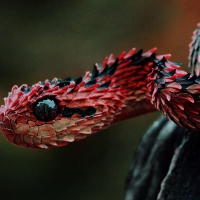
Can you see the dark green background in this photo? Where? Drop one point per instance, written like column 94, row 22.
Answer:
column 46, row 39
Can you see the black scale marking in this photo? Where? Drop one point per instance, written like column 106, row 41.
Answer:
column 68, row 112
column 25, row 90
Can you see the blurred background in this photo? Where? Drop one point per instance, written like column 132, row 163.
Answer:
column 46, row 39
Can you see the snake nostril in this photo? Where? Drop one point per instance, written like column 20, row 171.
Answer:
column 46, row 109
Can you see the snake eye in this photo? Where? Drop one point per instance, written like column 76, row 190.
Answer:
column 46, row 109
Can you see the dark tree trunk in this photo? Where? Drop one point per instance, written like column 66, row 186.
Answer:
column 166, row 165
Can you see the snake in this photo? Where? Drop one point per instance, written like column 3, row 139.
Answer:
column 56, row 112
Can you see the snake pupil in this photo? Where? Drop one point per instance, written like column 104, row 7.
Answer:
column 46, row 110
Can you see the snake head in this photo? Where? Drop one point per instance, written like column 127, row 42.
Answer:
column 29, row 115
column 55, row 112
column 52, row 113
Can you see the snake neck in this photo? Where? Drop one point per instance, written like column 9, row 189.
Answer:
column 176, row 94
column 137, row 76
column 129, row 73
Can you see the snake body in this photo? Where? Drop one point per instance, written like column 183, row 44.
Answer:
column 55, row 112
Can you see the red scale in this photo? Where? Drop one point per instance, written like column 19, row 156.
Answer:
column 53, row 113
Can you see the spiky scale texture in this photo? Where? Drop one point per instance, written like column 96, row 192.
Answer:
column 176, row 94
column 115, row 90
column 128, row 86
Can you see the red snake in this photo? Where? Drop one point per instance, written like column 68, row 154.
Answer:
column 55, row 112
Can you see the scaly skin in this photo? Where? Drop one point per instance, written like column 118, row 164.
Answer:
column 53, row 113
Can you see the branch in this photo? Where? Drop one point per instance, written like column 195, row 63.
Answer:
column 166, row 164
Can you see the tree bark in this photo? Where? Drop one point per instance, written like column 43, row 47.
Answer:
column 166, row 165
